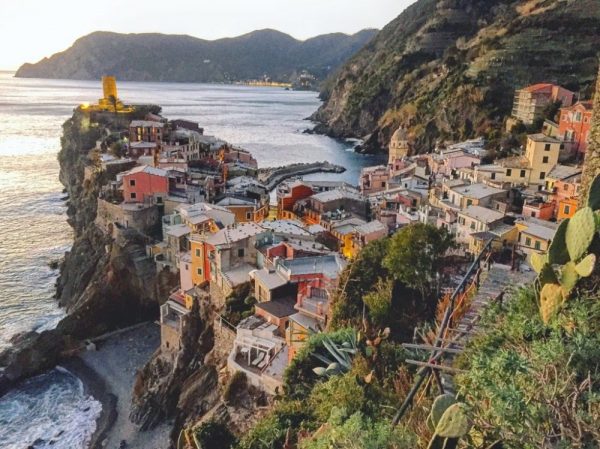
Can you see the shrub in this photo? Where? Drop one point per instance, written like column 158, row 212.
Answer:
column 213, row 435
column 338, row 391
column 235, row 387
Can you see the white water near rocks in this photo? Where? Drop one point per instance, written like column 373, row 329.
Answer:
column 33, row 229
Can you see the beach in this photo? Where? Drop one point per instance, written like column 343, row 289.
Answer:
column 108, row 374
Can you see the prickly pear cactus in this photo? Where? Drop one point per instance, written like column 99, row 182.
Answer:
column 586, row 266
column 538, row 261
column 440, row 404
column 594, row 194
column 454, row 423
column 580, row 232
column 557, row 252
column 568, row 278
column 547, row 276
column 551, row 300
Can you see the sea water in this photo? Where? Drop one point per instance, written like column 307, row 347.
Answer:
column 53, row 410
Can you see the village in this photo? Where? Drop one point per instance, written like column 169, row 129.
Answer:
column 269, row 269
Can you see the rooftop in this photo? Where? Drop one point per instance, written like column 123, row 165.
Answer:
column 146, row 169
column 146, row 124
column 542, row 138
column 178, row 230
column 289, row 227
column 477, row 191
column 482, row 214
column 270, row 279
column 337, row 194
column 279, row 308
column 328, row 265
column 370, row 227
column 234, row 234
column 563, row 172
column 538, row 228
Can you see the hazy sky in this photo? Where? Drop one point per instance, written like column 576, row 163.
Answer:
column 32, row 29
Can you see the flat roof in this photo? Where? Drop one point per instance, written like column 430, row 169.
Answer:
column 331, row 265
column 539, row 228
column 482, row 214
column 271, row 280
column 305, row 321
column 372, row 226
column 146, row 124
column 146, row 169
column 337, row 194
column 279, row 308
column 234, row 233
column 178, row 230
column 291, row 227
column 477, row 191
column 539, row 137
column 563, row 172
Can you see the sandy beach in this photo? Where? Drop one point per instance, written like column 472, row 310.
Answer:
column 108, row 374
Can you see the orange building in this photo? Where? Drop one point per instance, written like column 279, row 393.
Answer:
column 288, row 194
column 574, row 125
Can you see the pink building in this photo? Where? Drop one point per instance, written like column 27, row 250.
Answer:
column 447, row 161
column 144, row 183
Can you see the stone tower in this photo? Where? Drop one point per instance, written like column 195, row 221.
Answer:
column 399, row 146
column 109, row 87
column 591, row 165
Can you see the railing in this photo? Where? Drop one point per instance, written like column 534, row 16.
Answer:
column 428, row 368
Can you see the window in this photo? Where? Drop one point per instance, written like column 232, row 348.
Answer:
column 248, row 215
column 133, row 195
column 545, row 160
column 508, row 172
column 527, row 241
column 383, row 184
column 493, row 176
column 472, row 225
column 523, row 173
column 199, row 271
column 578, row 116
column 543, row 175
column 567, row 209
column 159, row 200
column 469, row 202
column 533, row 214
column 547, row 147
column 537, row 245
column 187, row 267
column 240, row 252
column 132, row 183
column 197, row 252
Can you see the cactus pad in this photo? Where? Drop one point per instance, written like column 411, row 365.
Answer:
column 440, row 404
column 580, row 232
column 568, row 278
column 594, row 194
column 538, row 261
column 547, row 276
column 557, row 252
column 551, row 300
column 454, row 423
column 586, row 266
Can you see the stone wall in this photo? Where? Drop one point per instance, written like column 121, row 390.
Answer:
column 224, row 338
column 143, row 219
column 591, row 166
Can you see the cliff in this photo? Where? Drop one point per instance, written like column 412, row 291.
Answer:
column 104, row 284
column 447, row 69
column 160, row 57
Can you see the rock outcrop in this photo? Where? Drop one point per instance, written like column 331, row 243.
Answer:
column 104, row 284
column 591, row 168
column 447, row 70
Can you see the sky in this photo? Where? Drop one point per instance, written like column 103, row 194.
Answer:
column 33, row 29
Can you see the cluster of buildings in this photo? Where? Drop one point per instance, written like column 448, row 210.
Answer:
column 212, row 224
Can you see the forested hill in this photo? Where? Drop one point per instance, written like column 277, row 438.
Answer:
column 447, row 69
column 161, row 57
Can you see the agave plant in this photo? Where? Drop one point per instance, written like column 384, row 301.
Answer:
column 339, row 357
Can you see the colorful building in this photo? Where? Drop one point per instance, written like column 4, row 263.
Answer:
column 575, row 124
column 529, row 103
column 145, row 184
column 146, row 131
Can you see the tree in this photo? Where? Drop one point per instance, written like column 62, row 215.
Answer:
column 415, row 255
column 379, row 302
column 114, row 102
column 116, row 149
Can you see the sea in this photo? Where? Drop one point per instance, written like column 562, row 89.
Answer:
column 52, row 410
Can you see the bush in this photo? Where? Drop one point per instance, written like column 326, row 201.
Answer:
column 338, row 391
column 532, row 385
column 358, row 431
column 213, row 435
column 235, row 387
column 270, row 432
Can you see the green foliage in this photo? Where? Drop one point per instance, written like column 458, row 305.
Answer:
column 358, row 278
column 528, row 383
column 379, row 302
column 415, row 256
column 338, row 391
column 580, row 232
column 558, row 253
column 270, row 432
column 235, row 387
column 213, row 435
column 337, row 357
column 358, row 431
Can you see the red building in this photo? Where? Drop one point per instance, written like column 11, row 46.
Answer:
column 144, row 183
column 574, row 125
column 288, row 194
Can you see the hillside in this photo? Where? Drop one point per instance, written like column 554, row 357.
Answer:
column 447, row 69
column 160, row 57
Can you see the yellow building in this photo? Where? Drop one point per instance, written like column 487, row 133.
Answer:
column 535, row 235
column 399, row 146
column 200, row 273
column 542, row 153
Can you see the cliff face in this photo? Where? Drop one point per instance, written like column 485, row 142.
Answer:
column 161, row 57
column 447, row 69
column 103, row 284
